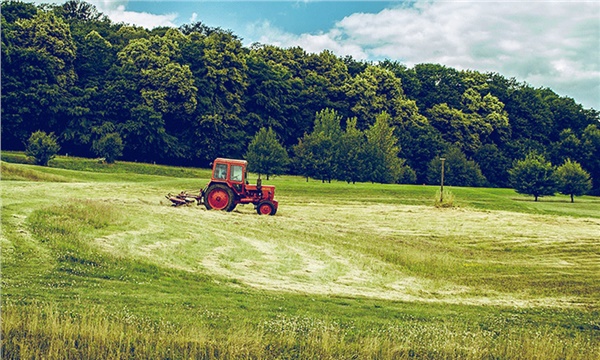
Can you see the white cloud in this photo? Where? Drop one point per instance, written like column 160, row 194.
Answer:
column 144, row 19
column 263, row 32
column 116, row 11
column 550, row 44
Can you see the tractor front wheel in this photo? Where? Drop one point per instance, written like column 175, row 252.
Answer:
column 266, row 208
column 219, row 197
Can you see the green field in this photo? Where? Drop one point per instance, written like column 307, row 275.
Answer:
column 96, row 264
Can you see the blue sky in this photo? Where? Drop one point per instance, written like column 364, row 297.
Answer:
column 293, row 17
column 545, row 43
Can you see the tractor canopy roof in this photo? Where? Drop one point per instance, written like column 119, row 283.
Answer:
column 231, row 161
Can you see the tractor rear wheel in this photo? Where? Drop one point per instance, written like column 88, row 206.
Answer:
column 219, row 197
column 266, row 208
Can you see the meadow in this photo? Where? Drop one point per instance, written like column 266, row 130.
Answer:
column 97, row 264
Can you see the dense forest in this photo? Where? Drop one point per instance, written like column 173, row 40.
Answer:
column 185, row 96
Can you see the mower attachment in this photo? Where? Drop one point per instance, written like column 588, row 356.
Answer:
column 183, row 198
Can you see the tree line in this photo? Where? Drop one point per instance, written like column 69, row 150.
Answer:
column 185, row 96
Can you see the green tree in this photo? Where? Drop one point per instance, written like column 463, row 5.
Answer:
column 268, row 100
column 150, row 72
column 79, row 10
column 372, row 92
column 314, row 156
column 95, row 56
column 438, row 85
column 572, row 179
column 302, row 161
column 407, row 175
column 487, row 116
column 109, row 146
column 590, row 140
column 387, row 166
column 408, row 77
column 530, row 116
column 42, row 147
column 533, row 176
column 494, row 165
column 218, row 65
column 568, row 147
column 352, row 156
column 37, row 74
column 459, row 171
column 317, row 151
column 457, row 128
column 266, row 155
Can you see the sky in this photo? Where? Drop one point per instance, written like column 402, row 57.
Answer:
column 545, row 43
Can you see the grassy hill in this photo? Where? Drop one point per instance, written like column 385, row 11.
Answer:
column 96, row 264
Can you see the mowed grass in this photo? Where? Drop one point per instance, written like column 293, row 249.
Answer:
column 96, row 264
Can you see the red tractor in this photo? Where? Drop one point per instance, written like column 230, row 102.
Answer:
column 228, row 187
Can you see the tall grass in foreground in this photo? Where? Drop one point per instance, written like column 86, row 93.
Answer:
column 43, row 331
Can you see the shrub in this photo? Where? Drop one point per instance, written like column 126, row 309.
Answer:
column 42, row 147
column 110, row 147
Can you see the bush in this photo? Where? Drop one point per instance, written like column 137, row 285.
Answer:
column 459, row 171
column 407, row 175
column 110, row 147
column 42, row 147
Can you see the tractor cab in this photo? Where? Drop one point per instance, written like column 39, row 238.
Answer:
column 232, row 172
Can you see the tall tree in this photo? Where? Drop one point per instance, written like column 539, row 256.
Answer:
column 269, row 100
column 217, row 62
column 37, row 73
column 387, row 166
column 494, row 165
column 317, row 151
column 530, row 116
column 353, row 163
column 79, row 10
column 487, row 116
column 457, row 128
column 163, row 84
column 439, row 84
column 590, row 140
column 372, row 92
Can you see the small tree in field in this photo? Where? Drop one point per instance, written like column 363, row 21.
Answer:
column 383, row 144
column 42, row 147
column 533, row 176
column 573, row 180
column 109, row 146
column 266, row 155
